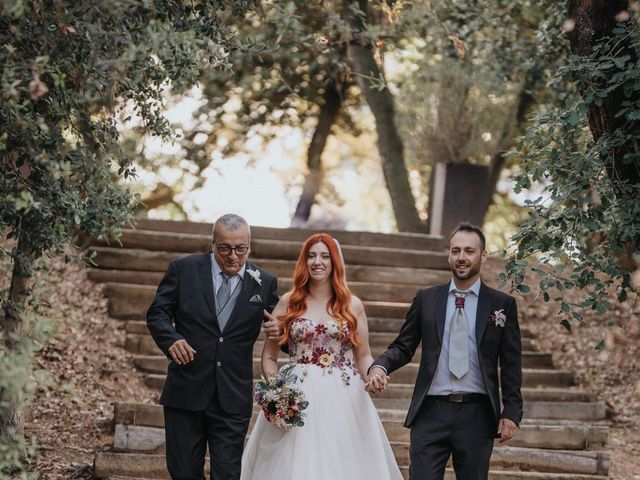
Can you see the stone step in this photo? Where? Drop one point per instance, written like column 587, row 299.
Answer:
column 157, row 363
column 150, row 261
column 531, row 377
column 541, row 460
column 380, row 292
column 144, row 439
column 108, row 464
column 150, row 415
column 396, row 240
column 286, row 249
column 130, row 302
column 144, row 345
column 385, row 331
column 450, row 475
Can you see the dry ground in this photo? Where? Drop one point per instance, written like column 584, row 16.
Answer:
column 71, row 417
column 88, row 371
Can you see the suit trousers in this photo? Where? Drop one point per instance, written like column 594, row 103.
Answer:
column 189, row 432
column 442, row 429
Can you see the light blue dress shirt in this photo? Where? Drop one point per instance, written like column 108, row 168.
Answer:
column 217, row 278
column 444, row 382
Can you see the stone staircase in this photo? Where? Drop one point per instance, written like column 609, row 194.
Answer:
column 563, row 434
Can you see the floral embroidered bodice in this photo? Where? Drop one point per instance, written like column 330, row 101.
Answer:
column 326, row 345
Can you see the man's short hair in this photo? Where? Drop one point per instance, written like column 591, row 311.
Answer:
column 231, row 221
column 468, row 227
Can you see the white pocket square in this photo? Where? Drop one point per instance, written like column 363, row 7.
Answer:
column 255, row 299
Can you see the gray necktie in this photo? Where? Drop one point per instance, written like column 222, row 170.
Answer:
column 224, row 292
column 459, row 338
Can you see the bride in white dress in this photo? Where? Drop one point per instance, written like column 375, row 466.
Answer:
column 325, row 328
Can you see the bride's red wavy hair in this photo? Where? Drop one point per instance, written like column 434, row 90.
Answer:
column 339, row 304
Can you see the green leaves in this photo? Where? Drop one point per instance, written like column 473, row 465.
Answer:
column 589, row 217
column 65, row 74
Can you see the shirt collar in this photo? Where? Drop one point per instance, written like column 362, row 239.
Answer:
column 475, row 288
column 217, row 269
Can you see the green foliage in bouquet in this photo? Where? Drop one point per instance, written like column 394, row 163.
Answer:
column 281, row 400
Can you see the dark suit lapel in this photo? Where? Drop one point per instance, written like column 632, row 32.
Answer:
column 441, row 309
column 485, row 300
column 205, row 273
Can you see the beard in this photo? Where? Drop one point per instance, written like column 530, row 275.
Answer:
column 474, row 269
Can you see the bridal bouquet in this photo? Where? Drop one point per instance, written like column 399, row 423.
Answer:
column 282, row 402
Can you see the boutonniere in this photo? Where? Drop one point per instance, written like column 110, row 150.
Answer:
column 255, row 274
column 498, row 318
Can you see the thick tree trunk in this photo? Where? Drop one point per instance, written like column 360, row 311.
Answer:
column 332, row 99
column 390, row 146
column 12, row 324
column 594, row 20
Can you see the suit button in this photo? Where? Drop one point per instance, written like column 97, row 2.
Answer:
column 218, row 364
column 221, row 339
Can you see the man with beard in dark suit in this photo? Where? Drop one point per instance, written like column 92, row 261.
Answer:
column 206, row 317
column 466, row 330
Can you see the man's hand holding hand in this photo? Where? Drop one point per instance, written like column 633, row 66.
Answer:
column 181, row 352
column 378, row 380
column 507, row 429
column 272, row 327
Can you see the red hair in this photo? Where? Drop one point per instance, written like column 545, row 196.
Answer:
column 340, row 301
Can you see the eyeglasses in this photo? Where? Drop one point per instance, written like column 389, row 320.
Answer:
column 227, row 249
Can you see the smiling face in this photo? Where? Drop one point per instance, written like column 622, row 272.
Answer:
column 319, row 262
column 231, row 262
column 466, row 257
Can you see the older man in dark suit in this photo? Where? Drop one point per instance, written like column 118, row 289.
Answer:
column 466, row 330
column 206, row 317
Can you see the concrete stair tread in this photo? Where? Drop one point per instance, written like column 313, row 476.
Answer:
column 150, row 439
column 286, row 249
column 111, row 258
column 532, row 377
column 556, row 461
column 378, row 291
column 420, row 240
column 530, row 360
column 130, row 301
column 147, row 414
column 140, row 327
column 493, row 475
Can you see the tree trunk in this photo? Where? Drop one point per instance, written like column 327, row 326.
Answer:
column 313, row 180
column 594, row 20
column 390, row 146
column 12, row 324
column 512, row 124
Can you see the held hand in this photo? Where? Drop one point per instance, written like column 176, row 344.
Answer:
column 181, row 352
column 378, row 380
column 272, row 327
column 506, row 429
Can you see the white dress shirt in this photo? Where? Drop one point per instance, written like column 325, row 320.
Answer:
column 444, row 382
column 217, row 278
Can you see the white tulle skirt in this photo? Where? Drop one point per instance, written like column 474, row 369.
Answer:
column 342, row 439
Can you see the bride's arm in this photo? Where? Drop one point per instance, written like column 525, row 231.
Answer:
column 271, row 348
column 364, row 359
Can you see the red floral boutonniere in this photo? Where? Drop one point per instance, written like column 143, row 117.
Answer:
column 498, row 318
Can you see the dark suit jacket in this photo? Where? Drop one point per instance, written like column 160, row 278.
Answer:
column 223, row 361
column 425, row 323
